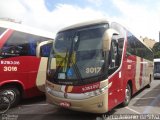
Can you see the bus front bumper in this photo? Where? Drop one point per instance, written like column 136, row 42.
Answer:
column 95, row 104
column 156, row 75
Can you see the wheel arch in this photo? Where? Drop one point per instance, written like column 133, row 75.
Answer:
column 131, row 85
column 14, row 83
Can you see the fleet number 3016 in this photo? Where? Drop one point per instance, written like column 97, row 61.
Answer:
column 9, row 68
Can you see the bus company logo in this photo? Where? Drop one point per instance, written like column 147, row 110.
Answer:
column 90, row 87
column 65, row 95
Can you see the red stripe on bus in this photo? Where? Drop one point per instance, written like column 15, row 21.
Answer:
column 5, row 37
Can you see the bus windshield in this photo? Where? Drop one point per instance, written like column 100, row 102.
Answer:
column 78, row 55
column 157, row 67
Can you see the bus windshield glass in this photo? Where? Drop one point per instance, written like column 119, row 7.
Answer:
column 157, row 67
column 77, row 55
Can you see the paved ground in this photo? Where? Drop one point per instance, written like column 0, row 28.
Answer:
column 147, row 101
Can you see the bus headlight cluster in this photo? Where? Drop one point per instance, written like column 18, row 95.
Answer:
column 99, row 91
column 48, row 89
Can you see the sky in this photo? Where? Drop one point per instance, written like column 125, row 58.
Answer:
column 142, row 17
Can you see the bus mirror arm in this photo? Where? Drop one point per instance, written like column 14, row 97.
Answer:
column 40, row 45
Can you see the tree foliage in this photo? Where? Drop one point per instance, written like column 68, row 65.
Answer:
column 156, row 50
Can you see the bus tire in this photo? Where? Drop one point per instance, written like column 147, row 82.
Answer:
column 13, row 93
column 128, row 94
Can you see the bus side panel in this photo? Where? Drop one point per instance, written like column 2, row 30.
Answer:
column 135, row 72
column 132, row 69
column 140, row 76
column 131, row 72
column 41, row 75
column 115, row 91
column 32, row 73
column 147, row 72
column 119, row 81
column 12, row 69
column 23, row 69
column 116, row 94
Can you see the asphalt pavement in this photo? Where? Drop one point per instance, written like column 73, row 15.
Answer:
column 144, row 105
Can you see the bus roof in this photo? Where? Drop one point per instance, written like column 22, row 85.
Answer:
column 88, row 23
column 25, row 29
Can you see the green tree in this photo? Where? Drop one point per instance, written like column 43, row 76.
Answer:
column 156, row 50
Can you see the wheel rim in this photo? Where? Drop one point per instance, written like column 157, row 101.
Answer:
column 128, row 94
column 11, row 94
column 4, row 104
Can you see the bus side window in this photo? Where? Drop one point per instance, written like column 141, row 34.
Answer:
column 120, row 49
column 131, row 45
column 45, row 50
column 16, row 45
column 23, row 44
column 32, row 45
column 113, row 56
column 115, row 52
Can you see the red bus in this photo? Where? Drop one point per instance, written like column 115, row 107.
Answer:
column 95, row 66
column 22, row 73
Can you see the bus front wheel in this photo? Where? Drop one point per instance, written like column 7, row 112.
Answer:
column 13, row 93
column 128, row 94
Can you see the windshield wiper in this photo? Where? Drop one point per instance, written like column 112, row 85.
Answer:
column 70, row 61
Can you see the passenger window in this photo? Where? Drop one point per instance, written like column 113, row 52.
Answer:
column 15, row 46
column 120, row 48
column 22, row 44
column 115, row 53
column 45, row 51
column 131, row 44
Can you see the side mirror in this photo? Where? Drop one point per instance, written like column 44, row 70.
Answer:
column 40, row 46
column 107, row 38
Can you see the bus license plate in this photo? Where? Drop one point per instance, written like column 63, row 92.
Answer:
column 65, row 104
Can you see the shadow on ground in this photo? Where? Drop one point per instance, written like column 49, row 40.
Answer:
column 152, row 98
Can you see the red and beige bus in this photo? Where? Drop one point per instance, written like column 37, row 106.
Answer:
column 96, row 65
column 22, row 74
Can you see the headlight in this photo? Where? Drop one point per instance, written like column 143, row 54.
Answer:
column 48, row 89
column 99, row 91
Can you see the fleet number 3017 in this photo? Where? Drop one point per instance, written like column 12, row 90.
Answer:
column 93, row 70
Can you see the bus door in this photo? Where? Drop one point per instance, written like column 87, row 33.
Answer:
column 114, row 72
